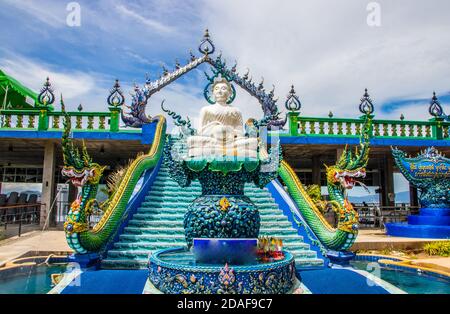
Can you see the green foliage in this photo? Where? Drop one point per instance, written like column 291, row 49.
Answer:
column 438, row 248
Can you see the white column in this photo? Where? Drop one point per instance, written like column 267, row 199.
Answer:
column 48, row 181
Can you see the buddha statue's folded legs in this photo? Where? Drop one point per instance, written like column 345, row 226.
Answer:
column 220, row 140
column 203, row 147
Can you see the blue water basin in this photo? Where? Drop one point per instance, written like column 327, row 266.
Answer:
column 29, row 279
column 221, row 251
column 412, row 282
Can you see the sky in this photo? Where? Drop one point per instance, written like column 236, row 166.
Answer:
column 329, row 50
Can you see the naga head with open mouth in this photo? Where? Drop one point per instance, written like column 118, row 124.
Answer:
column 348, row 178
column 79, row 177
column 78, row 167
column 351, row 165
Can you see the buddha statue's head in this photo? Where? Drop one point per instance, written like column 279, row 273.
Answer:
column 221, row 90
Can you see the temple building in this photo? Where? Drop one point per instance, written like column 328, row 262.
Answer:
column 31, row 154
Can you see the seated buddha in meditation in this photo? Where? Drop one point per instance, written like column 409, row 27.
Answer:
column 221, row 131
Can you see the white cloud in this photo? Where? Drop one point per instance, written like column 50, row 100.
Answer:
column 76, row 87
column 137, row 56
column 330, row 54
column 52, row 15
column 415, row 111
column 151, row 23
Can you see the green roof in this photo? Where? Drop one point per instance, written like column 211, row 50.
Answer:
column 17, row 95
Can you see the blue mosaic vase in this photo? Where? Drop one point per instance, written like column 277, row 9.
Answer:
column 221, row 216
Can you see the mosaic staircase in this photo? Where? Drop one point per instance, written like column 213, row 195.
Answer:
column 158, row 224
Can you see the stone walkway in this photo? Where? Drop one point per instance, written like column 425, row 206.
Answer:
column 377, row 240
column 49, row 241
column 440, row 261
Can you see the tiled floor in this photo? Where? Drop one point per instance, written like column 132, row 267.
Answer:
column 33, row 241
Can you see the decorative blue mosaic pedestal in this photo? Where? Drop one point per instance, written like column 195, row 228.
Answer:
column 432, row 223
column 175, row 271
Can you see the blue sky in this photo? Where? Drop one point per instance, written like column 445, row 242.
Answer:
column 325, row 48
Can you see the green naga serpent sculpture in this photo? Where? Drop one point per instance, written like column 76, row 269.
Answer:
column 86, row 174
column 340, row 177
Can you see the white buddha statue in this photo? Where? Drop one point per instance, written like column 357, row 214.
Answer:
column 221, row 131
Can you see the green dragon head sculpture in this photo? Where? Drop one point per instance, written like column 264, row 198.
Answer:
column 351, row 165
column 78, row 167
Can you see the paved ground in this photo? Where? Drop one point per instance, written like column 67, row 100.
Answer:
column 377, row 240
column 53, row 241
column 12, row 230
column 439, row 263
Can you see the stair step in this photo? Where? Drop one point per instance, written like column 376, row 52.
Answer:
column 176, row 188
column 124, row 263
column 160, row 216
column 154, row 230
column 274, row 232
column 152, row 202
column 158, row 204
column 147, row 246
column 180, row 216
column 176, row 223
column 182, row 211
column 137, row 253
column 308, row 262
column 303, row 254
column 152, row 237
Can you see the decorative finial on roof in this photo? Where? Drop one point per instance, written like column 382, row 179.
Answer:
column 206, row 46
column 165, row 71
column 80, row 107
column 435, row 108
column 292, row 102
column 233, row 69
column 366, row 105
column 177, row 64
column 272, row 92
column 116, row 97
column 261, row 84
column 192, row 56
column 46, row 96
column 330, row 114
column 245, row 77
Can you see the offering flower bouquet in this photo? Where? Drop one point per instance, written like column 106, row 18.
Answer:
column 269, row 249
